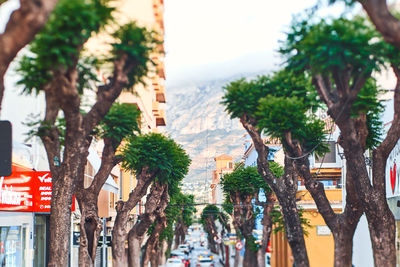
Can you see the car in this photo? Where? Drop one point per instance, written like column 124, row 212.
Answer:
column 201, row 250
column 174, row 262
column 205, row 262
column 182, row 255
column 185, row 248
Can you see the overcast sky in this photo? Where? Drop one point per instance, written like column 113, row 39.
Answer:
column 208, row 39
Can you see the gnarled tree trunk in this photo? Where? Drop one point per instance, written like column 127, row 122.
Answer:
column 285, row 189
column 153, row 246
column 120, row 229
column 354, row 132
column 156, row 203
column 267, row 229
column 90, row 229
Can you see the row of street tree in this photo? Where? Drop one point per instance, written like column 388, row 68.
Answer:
column 329, row 66
column 59, row 66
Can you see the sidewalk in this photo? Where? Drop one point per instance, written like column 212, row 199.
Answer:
column 218, row 259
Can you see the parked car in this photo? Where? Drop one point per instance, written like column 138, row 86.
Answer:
column 205, row 262
column 174, row 262
column 185, row 248
column 182, row 255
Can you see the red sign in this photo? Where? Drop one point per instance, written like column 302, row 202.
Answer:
column 239, row 245
column 26, row 190
column 269, row 249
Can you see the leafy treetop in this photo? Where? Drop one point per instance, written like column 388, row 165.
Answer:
column 58, row 47
column 279, row 104
column 120, row 122
column 160, row 154
column 345, row 53
column 244, row 180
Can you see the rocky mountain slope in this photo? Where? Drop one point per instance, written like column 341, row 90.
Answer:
column 197, row 120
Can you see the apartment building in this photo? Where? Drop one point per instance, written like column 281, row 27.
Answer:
column 224, row 165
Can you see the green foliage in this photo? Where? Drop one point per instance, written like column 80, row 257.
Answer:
column 227, row 206
column 245, row 180
column 87, row 74
column 336, row 47
column 367, row 102
column 160, row 154
column 279, row 223
column 210, row 211
column 333, row 45
column 136, row 43
column 122, row 121
column 243, row 96
column 181, row 207
column 276, row 169
column 40, row 128
column 281, row 104
column 251, row 243
column 60, row 42
column 279, row 115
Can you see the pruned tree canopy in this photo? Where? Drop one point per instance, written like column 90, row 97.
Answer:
column 161, row 155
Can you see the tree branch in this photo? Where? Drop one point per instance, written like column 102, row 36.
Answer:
column 107, row 164
column 387, row 24
column 107, row 94
column 21, row 28
column 262, row 150
column 144, row 179
column 393, row 134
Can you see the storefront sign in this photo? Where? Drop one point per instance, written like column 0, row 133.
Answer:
column 26, row 191
column 393, row 172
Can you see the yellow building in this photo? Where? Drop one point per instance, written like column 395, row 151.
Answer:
column 150, row 96
column 224, row 165
column 319, row 239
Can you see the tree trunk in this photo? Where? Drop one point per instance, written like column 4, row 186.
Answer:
column 381, row 221
column 343, row 248
column 90, row 228
column 210, row 229
column 285, row 188
column 250, row 258
column 134, row 249
column 153, row 242
column 60, row 223
column 120, row 231
column 237, row 258
column 294, row 230
column 267, row 229
column 163, row 249
column 177, row 241
column 156, row 203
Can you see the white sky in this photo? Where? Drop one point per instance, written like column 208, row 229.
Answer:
column 208, row 39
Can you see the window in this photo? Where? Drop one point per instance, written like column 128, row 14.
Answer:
column 330, row 157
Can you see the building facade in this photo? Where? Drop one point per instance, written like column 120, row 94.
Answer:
column 24, row 232
column 319, row 240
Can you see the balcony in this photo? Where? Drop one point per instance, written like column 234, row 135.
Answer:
column 160, row 120
column 156, row 109
column 160, row 95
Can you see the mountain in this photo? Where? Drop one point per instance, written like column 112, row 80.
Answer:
column 197, row 120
